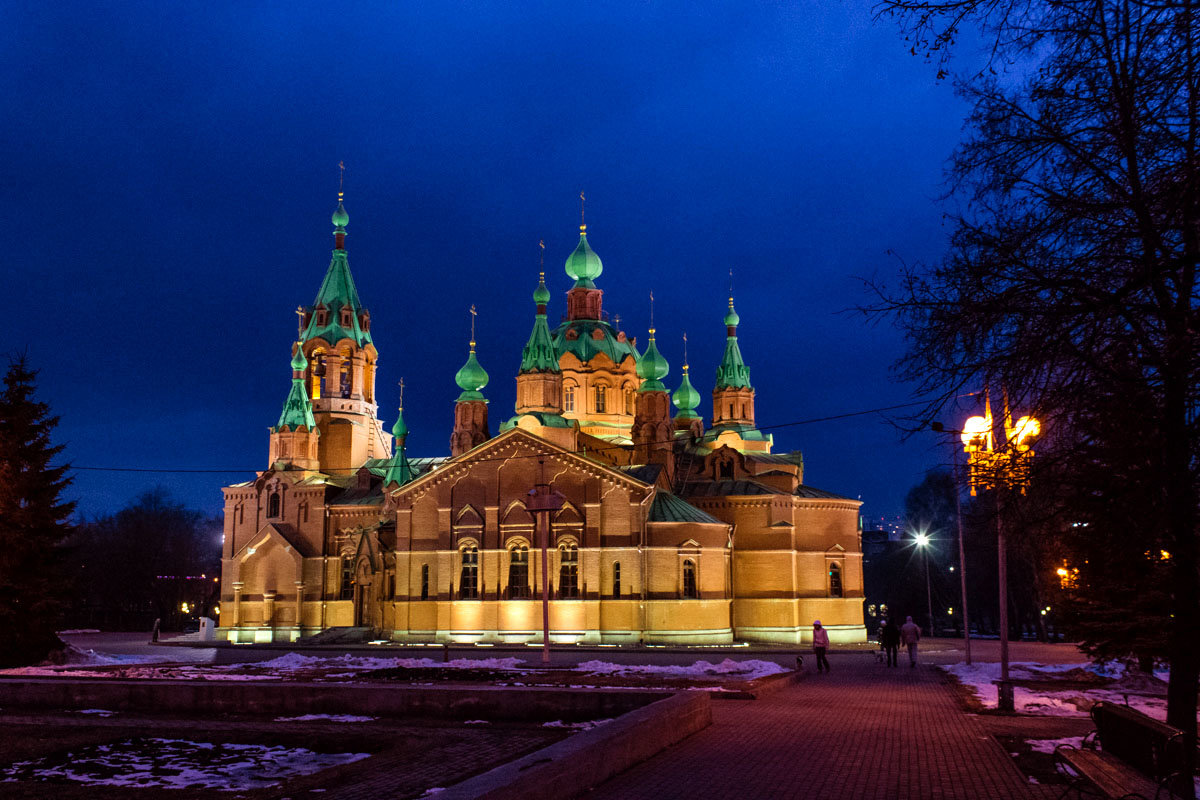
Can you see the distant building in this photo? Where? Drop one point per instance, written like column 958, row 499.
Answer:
column 670, row 532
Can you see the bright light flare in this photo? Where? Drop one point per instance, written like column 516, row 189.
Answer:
column 977, row 433
column 1025, row 429
column 921, row 539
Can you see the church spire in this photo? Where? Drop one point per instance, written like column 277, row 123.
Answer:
column 539, row 354
column 733, row 372
column 470, row 410
column 399, row 471
column 294, row 438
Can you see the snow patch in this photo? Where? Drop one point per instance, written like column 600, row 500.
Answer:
column 587, row 725
column 326, row 717
column 741, row 670
column 177, row 764
column 1048, row 745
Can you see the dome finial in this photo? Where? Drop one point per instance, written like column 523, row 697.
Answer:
column 471, row 377
column 474, row 314
column 541, row 295
column 583, row 265
column 340, row 218
column 582, row 212
column 400, row 430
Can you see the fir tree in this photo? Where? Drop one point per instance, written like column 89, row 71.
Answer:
column 33, row 522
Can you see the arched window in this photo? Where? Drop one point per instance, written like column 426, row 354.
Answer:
column 468, row 584
column 317, row 363
column 518, row 571
column 345, row 377
column 601, row 399
column 274, row 505
column 568, row 571
column 690, row 589
column 628, row 401
column 727, row 469
column 568, row 398
column 347, row 578
column 616, row 579
column 835, row 579
column 424, row 581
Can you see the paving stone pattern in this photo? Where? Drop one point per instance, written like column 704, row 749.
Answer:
column 861, row 731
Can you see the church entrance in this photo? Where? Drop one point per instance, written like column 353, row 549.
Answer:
column 366, row 610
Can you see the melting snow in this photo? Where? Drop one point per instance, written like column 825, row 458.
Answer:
column 744, row 670
column 576, row 726
column 326, row 717
column 177, row 764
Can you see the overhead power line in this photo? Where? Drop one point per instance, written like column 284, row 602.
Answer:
column 215, row 471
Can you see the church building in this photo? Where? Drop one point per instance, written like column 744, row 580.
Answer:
column 662, row 530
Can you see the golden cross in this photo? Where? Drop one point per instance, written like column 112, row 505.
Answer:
column 341, row 177
column 402, row 394
column 542, row 255
column 582, row 208
column 299, row 322
column 652, row 311
column 474, row 314
column 685, row 349
column 731, row 283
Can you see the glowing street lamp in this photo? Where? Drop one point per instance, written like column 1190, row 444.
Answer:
column 1000, row 465
column 922, row 541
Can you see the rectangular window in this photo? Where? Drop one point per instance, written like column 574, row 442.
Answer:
column 347, row 579
column 600, row 400
column 569, row 399
column 616, row 579
column 689, row 580
column 424, row 581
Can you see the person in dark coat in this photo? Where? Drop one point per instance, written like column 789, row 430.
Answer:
column 889, row 640
column 820, row 646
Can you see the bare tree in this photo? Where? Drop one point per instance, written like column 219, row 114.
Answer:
column 1071, row 270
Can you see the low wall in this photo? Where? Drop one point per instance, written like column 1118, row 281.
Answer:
column 571, row 767
column 279, row 697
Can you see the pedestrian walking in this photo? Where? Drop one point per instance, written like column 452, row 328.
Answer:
column 889, row 640
column 910, row 634
column 820, row 646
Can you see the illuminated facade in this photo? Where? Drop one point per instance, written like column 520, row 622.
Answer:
column 669, row 532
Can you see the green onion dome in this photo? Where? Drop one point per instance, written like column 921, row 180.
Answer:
column 541, row 295
column 471, row 378
column 732, row 319
column 340, row 217
column 400, row 430
column 686, row 399
column 299, row 362
column 652, row 368
column 584, row 265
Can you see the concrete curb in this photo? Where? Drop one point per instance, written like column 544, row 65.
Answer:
column 571, row 767
column 284, row 697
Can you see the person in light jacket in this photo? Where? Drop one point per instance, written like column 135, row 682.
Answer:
column 910, row 634
column 820, row 646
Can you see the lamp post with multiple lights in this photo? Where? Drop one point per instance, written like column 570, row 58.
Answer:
column 1000, row 465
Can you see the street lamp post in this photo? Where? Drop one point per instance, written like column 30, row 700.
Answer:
column 922, row 541
column 541, row 502
column 1000, row 465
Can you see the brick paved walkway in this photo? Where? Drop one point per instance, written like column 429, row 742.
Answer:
column 862, row 731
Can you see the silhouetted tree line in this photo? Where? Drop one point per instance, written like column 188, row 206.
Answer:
column 153, row 559
column 1070, row 280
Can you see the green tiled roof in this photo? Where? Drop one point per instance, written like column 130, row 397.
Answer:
column 539, row 354
column 337, row 291
column 733, row 372
column 747, row 432
column 584, row 265
column 585, row 347
column 669, row 508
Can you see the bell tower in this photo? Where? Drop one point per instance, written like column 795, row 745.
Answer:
column 342, row 363
column 653, row 434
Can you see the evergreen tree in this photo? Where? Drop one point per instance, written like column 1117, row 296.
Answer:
column 33, row 522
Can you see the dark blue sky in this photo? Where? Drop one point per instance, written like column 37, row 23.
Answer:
column 169, row 170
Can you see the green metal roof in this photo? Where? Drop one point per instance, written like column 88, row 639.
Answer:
column 728, row 488
column 733, row 372
column 669, row 508
column 686, row 398
column 652, row 368
column 337, row 291
column 297, row 410
column 400, row 429
column 471, row 377
column 539, row 354
column 541, row 295
column 398, row 471
column 585, row 347
column 747, row 432
column 549, row 420
column 584, row 265
column 814, row 493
